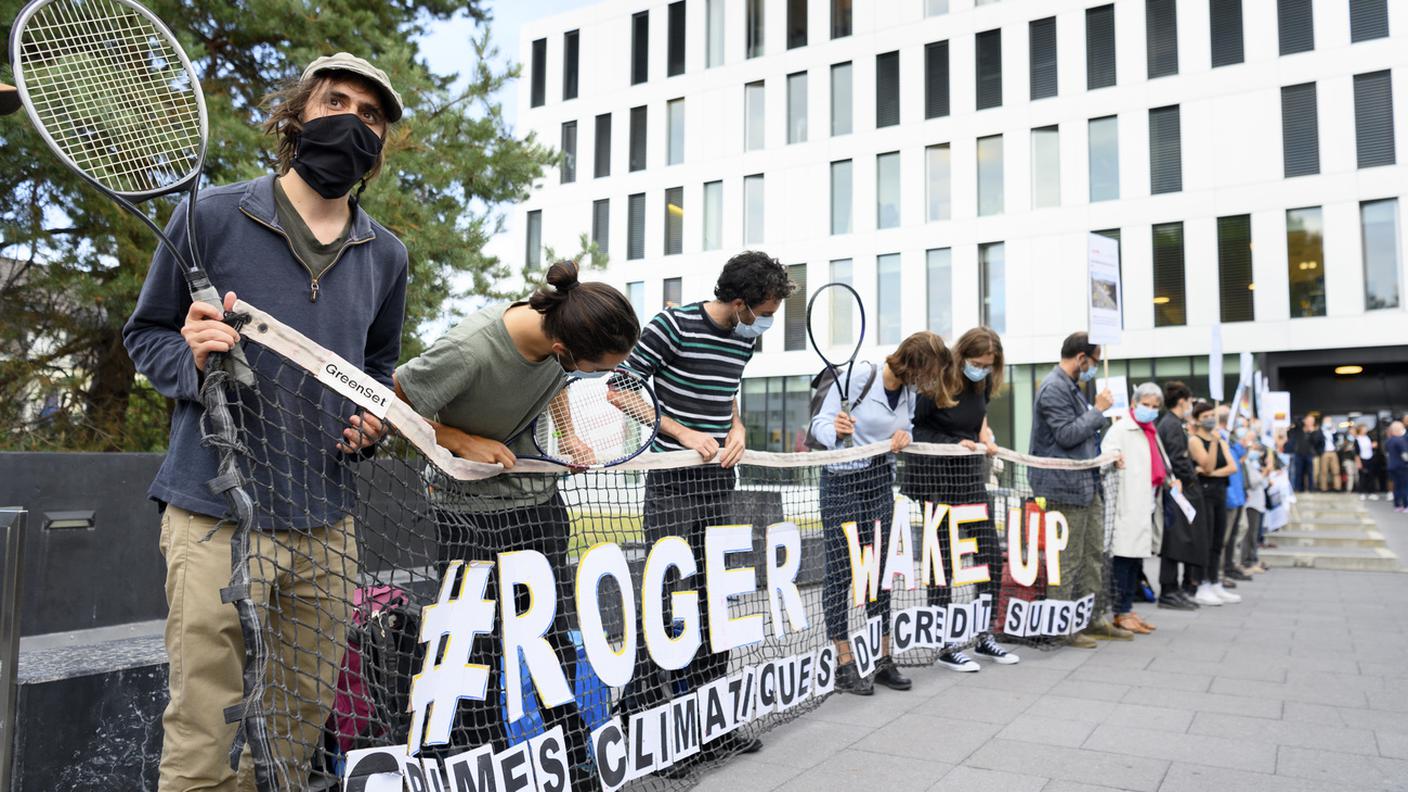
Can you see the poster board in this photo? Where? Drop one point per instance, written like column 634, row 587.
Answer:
column 1103, row 291
column 1119, row 388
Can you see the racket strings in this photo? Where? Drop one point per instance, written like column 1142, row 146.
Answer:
column 112, row 92
column 597, row 421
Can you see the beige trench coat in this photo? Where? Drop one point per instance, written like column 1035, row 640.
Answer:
column 1139, row 520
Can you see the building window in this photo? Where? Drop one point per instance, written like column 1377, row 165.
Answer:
column 540, row 65
column 887, row 190
column 841, row 99
column 992, row 286
column 571, row 43
column 1226, row 23
column 887, row 298
column 1170, row 308
column 713, row 215
column 1379, row 221
column 635, row 226
column 1373, row 119
column 935, row 7
column 753, row 128
column 840, row 18
column 753, row 209
column 1165, row 150
column 1305, row 258
column 674, row 112
column 601, row 224
column 1041, row 40
column 1300, row 130
column 674, row 52
column 988, row 66
column 842, row 307
column 714, row 33
column 672, row 293
column 674, row 221
column 841, row 197
column 637, row 138
column 1368, row 19
column 796, row 23
column 567, row 171
column 1161, row 37
column 887, row 89
column 990, row 175
column 640, row 47
column 1046, row 167
column 1295, row 25
column 936, row 79
column 1104, row 158
column 754, row 22
column 635, row 292
column 797, row 107
column 939, row 285
column 601, row 167
column 938, row 183
column 794, row 311
column 534, row 251
column 1100, row 47
column 1234, row 268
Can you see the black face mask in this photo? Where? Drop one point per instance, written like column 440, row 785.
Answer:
column 334, row 153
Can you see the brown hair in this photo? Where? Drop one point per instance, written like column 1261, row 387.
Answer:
column 920, row 360
column 974, row 344
column 591, row 319
column 287, row 104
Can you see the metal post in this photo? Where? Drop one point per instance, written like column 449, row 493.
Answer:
column 12, row 525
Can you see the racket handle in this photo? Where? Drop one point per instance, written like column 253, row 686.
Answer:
column 849, row 440
column 234, row 361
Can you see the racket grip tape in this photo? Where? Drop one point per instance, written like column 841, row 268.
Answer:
column 849, row 440
column 234, row 361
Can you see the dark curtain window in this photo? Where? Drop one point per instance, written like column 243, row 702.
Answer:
column 1165, row 150
column 674, row 55
column 1295, row 26
column 1300, row 130
column 1234, row 268
column 640, row 47
column 1100, row 47
column 1373, row 119
column 887, row 89
column 1170, row 307
column 571, row 43
column 988, row 67
column 1161, row 37
column 1225, row 19
column 1042, row 43
column 539, row 77
column 936, row 79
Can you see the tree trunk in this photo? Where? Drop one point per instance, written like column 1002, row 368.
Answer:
column 113, row 375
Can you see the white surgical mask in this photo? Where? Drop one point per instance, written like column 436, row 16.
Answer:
column 760, row 325
column 975, row 372
column 1144, row 414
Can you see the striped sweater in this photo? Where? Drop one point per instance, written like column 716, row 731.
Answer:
column 695, row 366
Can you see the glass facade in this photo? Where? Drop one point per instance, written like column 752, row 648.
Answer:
column 887, row 298
column 841, row 99
column 887, row 190
column 939, row 285
column 753, row 209
column 990, row 175
column 1104, row 158
column 797, row 107
column 841, row 199
column 842, row 306
column 1046, row 167
column 992, row 283
column 674, row 153
column 1305, row 261
column 713, row 215
column 1379, row 225
column 938, row 183
column 754, row 131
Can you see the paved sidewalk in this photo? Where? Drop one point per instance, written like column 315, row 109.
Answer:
column 1303, row 686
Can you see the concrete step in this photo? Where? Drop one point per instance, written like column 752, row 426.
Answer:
column 1344, row 517
column 1302, row 524
column 1325, row 537
column 1369, row 559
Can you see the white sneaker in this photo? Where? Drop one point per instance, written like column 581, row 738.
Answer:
column 1373, row 496
column 1363, row 497
column 1220, row 591
column 1205, row 596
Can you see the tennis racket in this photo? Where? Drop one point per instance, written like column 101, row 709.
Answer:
column 114, row 96
column 846, row 296
column 597, row 423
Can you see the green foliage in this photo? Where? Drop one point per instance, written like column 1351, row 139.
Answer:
column 451, row 165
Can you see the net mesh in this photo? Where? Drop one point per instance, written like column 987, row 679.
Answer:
column 368, row 583
column 110, row 88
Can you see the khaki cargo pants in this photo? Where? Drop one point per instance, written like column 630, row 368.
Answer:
column 302, row 583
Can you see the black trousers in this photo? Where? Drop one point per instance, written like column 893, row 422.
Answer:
column 546, row 528
column 682, row 503
column 958, row 481
column 1215, row 501
column 862, row 496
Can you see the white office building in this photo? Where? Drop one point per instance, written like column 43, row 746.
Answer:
column 948, row 158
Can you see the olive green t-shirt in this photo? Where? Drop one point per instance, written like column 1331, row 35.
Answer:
column 316, row 256
column 474, row 379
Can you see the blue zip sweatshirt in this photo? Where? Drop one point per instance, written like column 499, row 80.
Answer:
column 300, row 479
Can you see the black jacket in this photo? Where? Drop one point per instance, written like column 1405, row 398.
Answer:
column 1175, row 439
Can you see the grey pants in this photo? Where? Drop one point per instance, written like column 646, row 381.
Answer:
column 1083, row 562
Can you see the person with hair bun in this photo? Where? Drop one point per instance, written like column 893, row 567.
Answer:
column 480, row 386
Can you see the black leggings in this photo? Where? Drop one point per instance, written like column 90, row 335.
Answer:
column 1215, row 501
column 958, row 481
column 466, row 536
column 863, row 496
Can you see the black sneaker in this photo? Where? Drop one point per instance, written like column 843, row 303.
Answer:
column 888, row 674
column 955, row 660
column 1227, row 584
column 1171, row 602
column 1187, row 599
column 988, row 647
column 1235, row 574
column 849, row 680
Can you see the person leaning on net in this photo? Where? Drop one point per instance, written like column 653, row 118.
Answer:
column 1066, row 426
column 862, row 491
column 480, row 385
column 974, row 373
column 260, row 239
column 694, row 355
column 1139, row 514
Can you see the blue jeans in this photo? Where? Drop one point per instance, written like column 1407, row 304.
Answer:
column 1125, row 572
column 1303, row 472
column 1400, row 487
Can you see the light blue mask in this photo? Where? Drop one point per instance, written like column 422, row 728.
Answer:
column 1144, row 414
column 975, row 373
column 760, row 325
column 1088, row 374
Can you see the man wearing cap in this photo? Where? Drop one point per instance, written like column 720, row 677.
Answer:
column 297, row 245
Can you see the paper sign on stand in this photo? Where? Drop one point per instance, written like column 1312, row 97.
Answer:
column 1278, row 409
column 1119, row 388
column 1103, row 290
